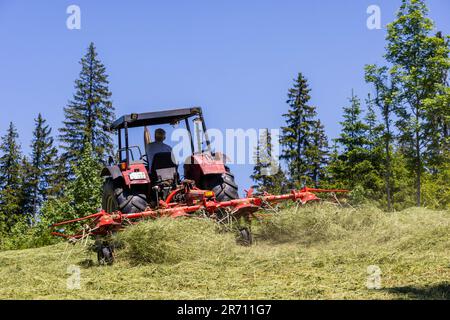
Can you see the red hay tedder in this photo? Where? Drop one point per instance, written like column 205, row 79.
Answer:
column 135, row 189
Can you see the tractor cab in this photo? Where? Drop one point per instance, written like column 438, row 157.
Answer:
column 121, row 126
column 132, row 183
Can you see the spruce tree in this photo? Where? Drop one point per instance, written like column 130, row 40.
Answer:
column 335, row 168
column 11, row 195
column 267, row 173
column 317, row 154
column 297, row 135
column 419, row 61
column 279, row 182
column 256, row 175
column 41, row 177
column 374, row 129
column 353, row 134
column 27, row 173
column 88, row 112
column 355, row 167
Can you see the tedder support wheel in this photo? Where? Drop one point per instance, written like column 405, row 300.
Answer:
column 118, row 197
column 225, row 189
column 245, row 237
column 222, row 185
column 105, row 255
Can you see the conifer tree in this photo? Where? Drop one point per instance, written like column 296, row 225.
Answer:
column 374, row 129
column 267, row 173
column 335, row 168
column 10, row 180
column 354, row 165
column 89, row 112
column 317, row 154
column 26, row 173
column 297, row 135
column 42, row 169
column 353, row 134
column 256, row 175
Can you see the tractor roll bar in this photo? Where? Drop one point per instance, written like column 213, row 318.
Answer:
column 208, row 143
column 155, row 118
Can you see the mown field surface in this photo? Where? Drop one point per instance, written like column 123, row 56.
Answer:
column 320, row 252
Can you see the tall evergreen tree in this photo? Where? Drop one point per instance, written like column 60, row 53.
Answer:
column 297, row 135
column 354, row 166
column 267, row 173
column 374, row 129
column 317, row 154
column 10, row 179
column 88, row 112
column 353, row 135
column 256, row 176
column 419, row 60
column 41, row 177
column 335, row 168
column 27, row 200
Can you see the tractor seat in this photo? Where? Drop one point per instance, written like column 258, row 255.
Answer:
column 163, row 168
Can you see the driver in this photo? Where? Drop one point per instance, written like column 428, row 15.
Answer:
column 158, row 146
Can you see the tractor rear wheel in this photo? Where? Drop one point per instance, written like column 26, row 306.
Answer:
column 118, row 197
column 223, row 186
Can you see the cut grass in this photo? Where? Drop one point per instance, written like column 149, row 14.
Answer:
column 319, row 252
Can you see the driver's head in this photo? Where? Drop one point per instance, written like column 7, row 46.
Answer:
column 160, row 135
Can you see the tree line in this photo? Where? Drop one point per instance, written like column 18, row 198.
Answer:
column 56, row 181
column 394, row 152
column 393, row 148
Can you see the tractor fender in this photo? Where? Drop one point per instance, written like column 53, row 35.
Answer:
column 202, row 164
column 111, row 171
column 114, row 172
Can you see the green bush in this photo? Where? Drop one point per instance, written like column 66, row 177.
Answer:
column 22, row 236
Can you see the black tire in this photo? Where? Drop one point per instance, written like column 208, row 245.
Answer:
column 105, row 255
column 223, row 186
column 117, row 197
column 245, row 237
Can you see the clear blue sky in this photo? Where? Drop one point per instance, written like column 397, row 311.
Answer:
column 237, row 59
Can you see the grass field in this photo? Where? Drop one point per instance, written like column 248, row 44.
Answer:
column 318, row 252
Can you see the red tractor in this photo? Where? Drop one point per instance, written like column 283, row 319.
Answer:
column 135, row 189
column 132, row 184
